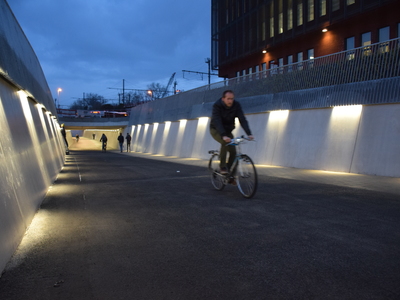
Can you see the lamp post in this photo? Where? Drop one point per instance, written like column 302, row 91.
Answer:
column 59, row 90
column 150, row 93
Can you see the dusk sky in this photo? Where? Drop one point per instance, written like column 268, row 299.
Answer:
column 91, row 46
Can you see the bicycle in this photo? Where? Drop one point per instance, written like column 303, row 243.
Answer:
column 242, row 169
column 104, row 147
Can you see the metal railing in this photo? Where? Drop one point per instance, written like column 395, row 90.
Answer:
column 365, row 75
column 372, row 62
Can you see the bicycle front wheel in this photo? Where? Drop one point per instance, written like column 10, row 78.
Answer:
column 217, row 180
column 247, row 176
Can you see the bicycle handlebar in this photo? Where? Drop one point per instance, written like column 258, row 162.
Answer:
column 238, row 140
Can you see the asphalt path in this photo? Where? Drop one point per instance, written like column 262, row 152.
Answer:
column 118, row 226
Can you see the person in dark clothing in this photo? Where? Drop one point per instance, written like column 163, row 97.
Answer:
column 103, row 139
column 128, row 142
column 64, row 134
column 224, row 112
column 121, row 141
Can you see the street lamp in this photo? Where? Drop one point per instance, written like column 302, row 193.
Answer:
column 150, row 93
column 59, row 90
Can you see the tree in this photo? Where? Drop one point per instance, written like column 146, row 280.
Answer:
column 91, row 101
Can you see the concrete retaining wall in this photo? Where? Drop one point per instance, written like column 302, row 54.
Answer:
column 31, row 146
column 356, row 139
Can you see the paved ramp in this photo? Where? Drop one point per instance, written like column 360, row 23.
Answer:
column 135, row 226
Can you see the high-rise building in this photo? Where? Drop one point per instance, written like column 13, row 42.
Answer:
column 254, row 35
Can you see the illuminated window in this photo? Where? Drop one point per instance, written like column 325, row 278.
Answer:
column 310, row 10
column 310, row 54
column 271, row 20
column 300, row 56
column 383, row 38
column 290, row 62
column 290, row 15
column 322, row 7
column 273, row 66
column 299, row 60
column 383, row 34
column 350, row 43
column 280, row 64
column 349, row 46
column 263, row 66
column 349, row 2
column 263, row 25
column 299, row 12
column 264, row 69
column 365, row 41
column 263, row 36
column 335, row 5
column 280, row 16
column 310, row 57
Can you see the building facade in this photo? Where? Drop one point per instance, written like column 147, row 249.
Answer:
column 255, row 35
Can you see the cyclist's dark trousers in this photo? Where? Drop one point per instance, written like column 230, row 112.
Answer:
column 224, row 149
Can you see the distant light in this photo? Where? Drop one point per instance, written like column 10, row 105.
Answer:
column 264, row 51
column 59, row 90
column 325, row 30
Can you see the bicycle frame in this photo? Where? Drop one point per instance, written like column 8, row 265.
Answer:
column 248, row 177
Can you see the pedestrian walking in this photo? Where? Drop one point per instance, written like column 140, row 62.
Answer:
column 121, row 141
column 128, row 142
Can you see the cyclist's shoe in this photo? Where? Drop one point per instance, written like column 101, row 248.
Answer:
column 232, row 181
column 224, row 170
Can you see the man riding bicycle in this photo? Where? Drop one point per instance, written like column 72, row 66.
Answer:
column 224, row 112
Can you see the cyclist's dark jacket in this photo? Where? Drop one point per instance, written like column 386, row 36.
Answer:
column 223, row 118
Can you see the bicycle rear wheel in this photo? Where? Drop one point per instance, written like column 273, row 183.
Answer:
column 246, row 176
column 217, row 179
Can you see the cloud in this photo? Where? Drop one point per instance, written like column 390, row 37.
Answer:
column 88, row 46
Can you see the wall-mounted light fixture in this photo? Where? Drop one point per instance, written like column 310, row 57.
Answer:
column 325, row 30
column 264, row 51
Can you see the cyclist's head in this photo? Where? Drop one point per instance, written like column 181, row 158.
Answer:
column 228, row 97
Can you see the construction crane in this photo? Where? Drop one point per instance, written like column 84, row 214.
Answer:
column 165, row 93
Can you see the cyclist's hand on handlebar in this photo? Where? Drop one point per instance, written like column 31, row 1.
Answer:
column 226, row 139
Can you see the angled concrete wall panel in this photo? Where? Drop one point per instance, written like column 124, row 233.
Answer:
column 31, row 147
